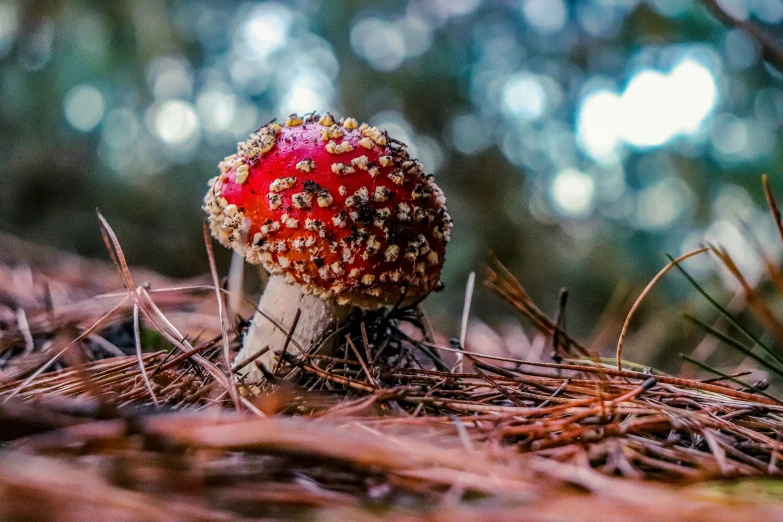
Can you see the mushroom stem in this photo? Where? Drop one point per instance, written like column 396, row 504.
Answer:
column 280, row 301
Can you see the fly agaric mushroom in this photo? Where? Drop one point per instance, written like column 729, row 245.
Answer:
column 339, row 214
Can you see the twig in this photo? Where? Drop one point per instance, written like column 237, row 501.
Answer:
column 498, row 387
column 773, row 205
column 770, row 47
column 361, row 361
column 288, row 336
column 555, row 394
column 250, row 359
column 559, row 321
column 463, row 330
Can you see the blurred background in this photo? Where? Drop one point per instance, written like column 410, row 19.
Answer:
column 579, row 141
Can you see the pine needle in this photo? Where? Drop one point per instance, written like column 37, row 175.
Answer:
column 728, row 377
column 724, row 312
column 733, row 343
column 647, row 289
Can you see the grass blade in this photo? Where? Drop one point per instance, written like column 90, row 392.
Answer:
column 725, row 312
column 726, row 376
column 733, row 343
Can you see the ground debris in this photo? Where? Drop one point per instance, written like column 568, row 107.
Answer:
column 146, row 419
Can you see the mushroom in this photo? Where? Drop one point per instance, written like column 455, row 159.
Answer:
column 341, row 217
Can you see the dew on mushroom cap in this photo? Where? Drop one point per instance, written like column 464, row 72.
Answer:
column 337, row 207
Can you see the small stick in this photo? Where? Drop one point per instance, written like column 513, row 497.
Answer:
column 361, row 361
column 773, row 205
column 562, row 299
column 769, row 45
column 508, row 288
column 165, row 364
column 288, row 337
column 498, row 387
column 247, row 361
column 336, row 378
column 557, row 393
column 463, row 331
column 366, row 341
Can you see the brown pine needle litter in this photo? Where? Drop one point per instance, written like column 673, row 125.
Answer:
column 121, row 405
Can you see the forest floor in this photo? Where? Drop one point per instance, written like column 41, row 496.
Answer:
column 117, row 403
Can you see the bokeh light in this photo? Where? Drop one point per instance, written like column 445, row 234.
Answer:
column 573, row 193
column 626, row 127
column 217, row 107
column 380, row 42
column 120, row 128
column 9, row 22
column 546, row 16
column 84, row 107
column 265, row 29
column 524, row 97
column 170, row 77
column 306, row 92
column 176, row 123
column 469, row 134
column 654, row 108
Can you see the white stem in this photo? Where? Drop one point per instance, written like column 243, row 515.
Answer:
column 281, row 301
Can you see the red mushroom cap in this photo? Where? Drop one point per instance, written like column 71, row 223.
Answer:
column 338, row 208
